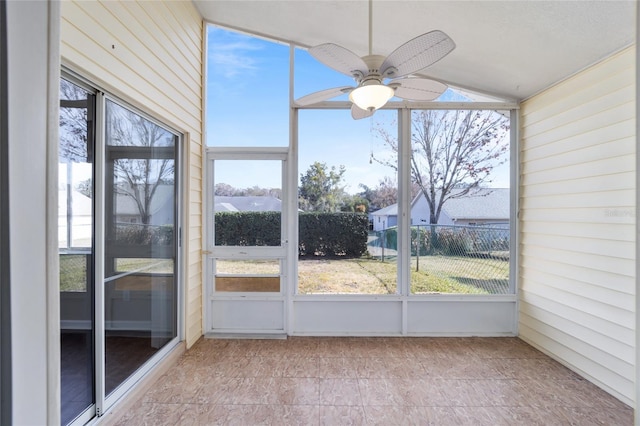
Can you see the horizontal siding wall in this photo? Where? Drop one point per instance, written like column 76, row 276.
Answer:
column 150, row 54
column 577, row 211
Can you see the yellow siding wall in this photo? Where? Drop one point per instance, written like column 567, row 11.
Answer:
column 150, row 54
column 577, row 265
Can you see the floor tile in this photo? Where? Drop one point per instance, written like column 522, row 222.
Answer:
column 342, row 415
column 372, row 381
column 298, row 415
column 340, row 392
column 301, row 366
column 338, row 367
column 298, row 391
column 262, row 366
column 379, row 392
column 218, row 390
column 255, row 391
column 479, row 416
column 393, row 415
column 596, row 416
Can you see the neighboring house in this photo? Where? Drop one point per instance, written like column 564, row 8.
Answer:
column 385, row 218
column 74, row 230
column 162, row 209
column 78, row 232
column 486, row 207
column 223, row 203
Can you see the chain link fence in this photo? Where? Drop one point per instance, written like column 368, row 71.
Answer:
column 451, row 259
column 73, row 271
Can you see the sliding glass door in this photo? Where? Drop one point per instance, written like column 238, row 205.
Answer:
column 118, row 243
column 76, row 248
column 140, row 251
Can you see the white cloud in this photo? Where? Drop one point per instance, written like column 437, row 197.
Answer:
column 232, row 55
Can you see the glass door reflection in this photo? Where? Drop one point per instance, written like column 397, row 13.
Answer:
column 75, row 247
column 140, row 251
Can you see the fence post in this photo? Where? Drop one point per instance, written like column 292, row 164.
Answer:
column 418, row 249
column 384, row 233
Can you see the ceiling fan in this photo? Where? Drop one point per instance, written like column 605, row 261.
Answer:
column 370, row 71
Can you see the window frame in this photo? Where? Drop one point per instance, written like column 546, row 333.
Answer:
column 5, row 276
column 104, row 402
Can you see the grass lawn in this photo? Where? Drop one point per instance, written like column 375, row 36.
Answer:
column 437, row 274
column 340, row 276
column 73, row 269
column 460, row 274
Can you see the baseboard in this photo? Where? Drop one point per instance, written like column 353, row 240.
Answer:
column 276, row 336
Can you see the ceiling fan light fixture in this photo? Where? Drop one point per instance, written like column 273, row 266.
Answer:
column 370, row 97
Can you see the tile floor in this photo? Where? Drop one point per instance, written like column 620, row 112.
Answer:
column 373, row 381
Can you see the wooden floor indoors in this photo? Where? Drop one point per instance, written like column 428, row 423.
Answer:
column 372, row 381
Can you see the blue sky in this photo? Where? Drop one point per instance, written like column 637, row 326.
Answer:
column 248, row 105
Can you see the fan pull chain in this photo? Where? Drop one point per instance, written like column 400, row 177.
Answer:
column 371, row 139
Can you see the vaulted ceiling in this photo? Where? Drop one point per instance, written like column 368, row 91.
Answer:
column 510, row 49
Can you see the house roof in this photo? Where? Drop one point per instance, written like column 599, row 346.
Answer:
column 508, row 49
column 490, row 203
column 486, row 204
column 125, row 205
column 246, row 204
column 81, row 204
column 391, row 210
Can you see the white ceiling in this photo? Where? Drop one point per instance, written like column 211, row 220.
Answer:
column 510, row 49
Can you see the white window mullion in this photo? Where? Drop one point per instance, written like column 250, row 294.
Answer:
column 99, row 254
column 404, row 210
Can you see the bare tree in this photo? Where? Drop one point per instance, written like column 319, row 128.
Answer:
column 73, row 123
column 453, row 153
column 224, row 189
column 85, row 187
column 139, row 178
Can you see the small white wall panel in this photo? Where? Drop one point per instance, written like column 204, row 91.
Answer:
column 243, row 315
column 347, row 317
column 150, row 54
column 577, row 211
column 468, row 318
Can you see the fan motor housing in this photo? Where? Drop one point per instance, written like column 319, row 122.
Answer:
column 374, row 62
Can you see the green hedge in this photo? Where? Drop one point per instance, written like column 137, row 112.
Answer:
column 137, row 234
column 333, row 234
column 321, row 234
column 247, row 228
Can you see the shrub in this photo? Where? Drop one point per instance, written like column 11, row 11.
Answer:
column 137, row 234
column 389, row 238
column 320, row 234
column 247, row 228
column 420, row 241
column 332, row 234
column 454, row 243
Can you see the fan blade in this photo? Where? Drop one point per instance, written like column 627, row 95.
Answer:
column 323, row 95
column 417, row 54
column 340, row 59
column 358, row 113
column 417, row 89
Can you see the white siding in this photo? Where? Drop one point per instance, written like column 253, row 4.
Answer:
column 577, row 265
column 150, row 54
